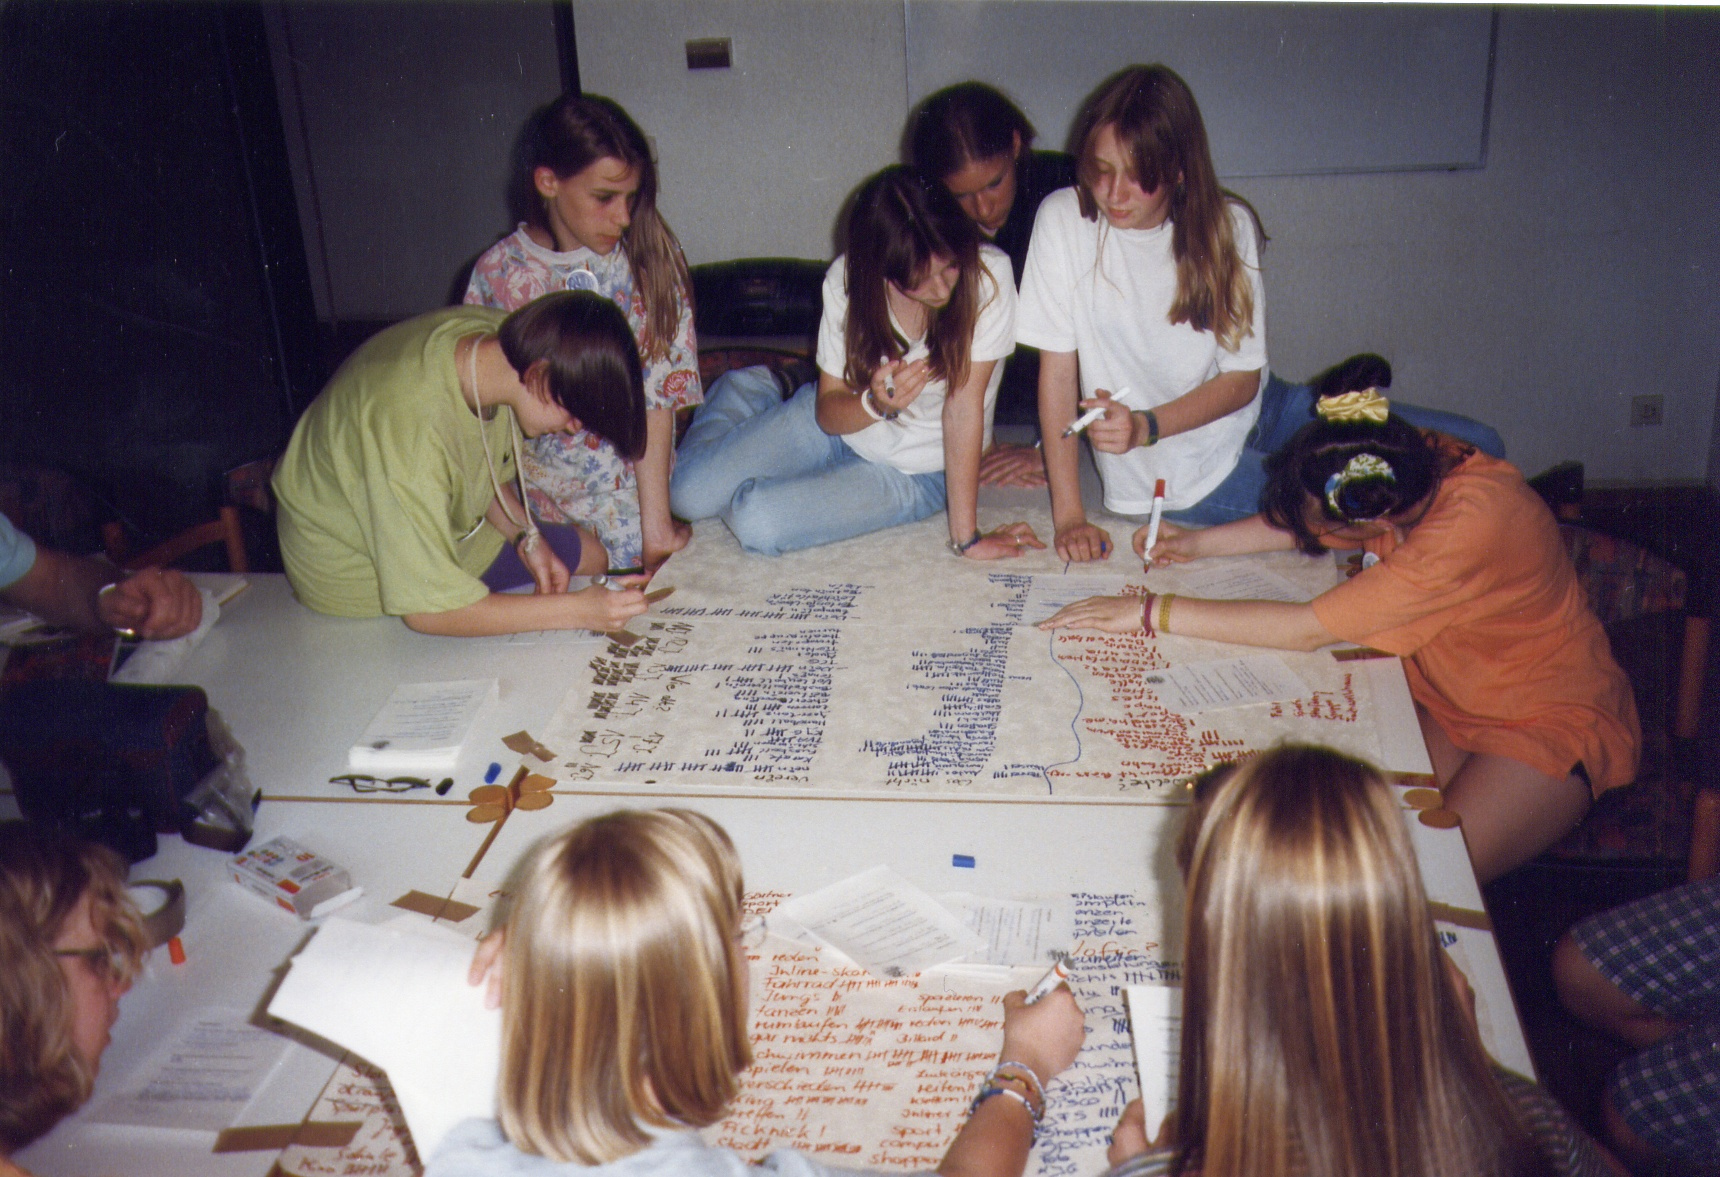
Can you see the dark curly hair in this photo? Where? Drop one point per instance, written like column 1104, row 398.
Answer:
column 1302, row 470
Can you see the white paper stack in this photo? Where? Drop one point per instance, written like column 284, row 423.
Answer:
column 422, row 727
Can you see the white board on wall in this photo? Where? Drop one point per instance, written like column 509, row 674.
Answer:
column 1285, row 89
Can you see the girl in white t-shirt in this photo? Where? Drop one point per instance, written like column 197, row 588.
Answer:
column 916, row 315
column 1144, row 280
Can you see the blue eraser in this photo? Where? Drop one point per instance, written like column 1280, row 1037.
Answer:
column 961, row 860
column 490, row 775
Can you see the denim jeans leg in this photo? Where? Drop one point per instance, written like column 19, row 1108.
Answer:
column 745, row 430
column 846, row 498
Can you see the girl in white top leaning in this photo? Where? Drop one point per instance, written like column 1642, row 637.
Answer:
column 1143, row 294
column 623, row 985
column 917, row 314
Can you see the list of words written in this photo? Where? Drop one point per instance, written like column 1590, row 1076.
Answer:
column 798, row 694
column 879, row 1074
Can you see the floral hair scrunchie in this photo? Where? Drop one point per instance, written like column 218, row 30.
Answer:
column 1357, row 468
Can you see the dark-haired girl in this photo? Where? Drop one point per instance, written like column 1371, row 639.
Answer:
column 979, row 144
column 394, row 491
column 1524, row 711
column 916, row 315
column 596, row 227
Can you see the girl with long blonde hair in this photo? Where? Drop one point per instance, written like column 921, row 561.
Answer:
column 624, row 992
column 596, row 227
column 1143, row 294
column 1324, row 1031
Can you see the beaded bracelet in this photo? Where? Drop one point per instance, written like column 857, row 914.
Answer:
column 1028, row 1075
column 1147, row 615
column 991, row 1089
column 1165, row 612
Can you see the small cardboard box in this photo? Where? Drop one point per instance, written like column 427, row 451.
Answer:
column 303, row 882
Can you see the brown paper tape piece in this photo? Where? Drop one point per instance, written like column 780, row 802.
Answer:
column 266, row 1137
column 1423, row 799
column 1463, row 917
column 435, row 907
column 1440, row 819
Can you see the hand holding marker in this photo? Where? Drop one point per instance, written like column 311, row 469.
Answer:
column 1153, row 524
column 1091, row 415
column 1058, row 975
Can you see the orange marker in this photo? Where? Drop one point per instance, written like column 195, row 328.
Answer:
column 175, row 950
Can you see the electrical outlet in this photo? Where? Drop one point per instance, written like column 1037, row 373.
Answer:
column 1647, row 409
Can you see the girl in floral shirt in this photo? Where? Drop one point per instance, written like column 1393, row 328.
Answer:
column 599, row 229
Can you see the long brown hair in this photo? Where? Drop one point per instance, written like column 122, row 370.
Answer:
column 574, row 132
column 1158, row 125
column 901, row 221
column 623, row 1003
column 1320, row 1034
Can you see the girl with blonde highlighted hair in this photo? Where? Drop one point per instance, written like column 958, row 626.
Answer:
column 72, row 944
column 1463, row 574
column 624, row 992
column 1324, row 1031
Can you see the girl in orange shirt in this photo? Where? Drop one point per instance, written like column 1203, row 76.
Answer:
column 1524, row 711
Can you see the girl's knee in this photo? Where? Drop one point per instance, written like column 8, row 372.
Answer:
column 758, row 522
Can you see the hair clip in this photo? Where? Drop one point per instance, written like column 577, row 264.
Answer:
column 1359, row 467
column 1366, row 405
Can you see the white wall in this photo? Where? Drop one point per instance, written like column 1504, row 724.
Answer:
column 1540, row 292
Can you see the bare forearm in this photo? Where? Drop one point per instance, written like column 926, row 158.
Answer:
column 1241, row 538
column 652, row 472
column 61, row 589
column 503, row 613
column 964, row 436
column 839, row 408
column 1058, row 393
column 993, row 1143
column 1278, row 625
column 1218, row 397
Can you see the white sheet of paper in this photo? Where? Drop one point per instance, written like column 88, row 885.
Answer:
column 1225, row 682
column 1015, row 932
column 397, row 996
column 422, row 726
column 160, row 662
column 1238, row 582
column 201, row 1079
column 884, row 924
column 1155, row 1019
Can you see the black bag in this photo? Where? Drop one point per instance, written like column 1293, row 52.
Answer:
column 116, row 763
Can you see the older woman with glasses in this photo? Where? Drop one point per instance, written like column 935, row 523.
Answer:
column 72, row 943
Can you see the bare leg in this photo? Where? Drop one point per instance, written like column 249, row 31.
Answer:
column 1511, row 812
column 1586, row 992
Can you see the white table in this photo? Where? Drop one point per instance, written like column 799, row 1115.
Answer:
column 297, row 688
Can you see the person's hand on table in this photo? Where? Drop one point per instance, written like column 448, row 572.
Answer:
column 1110, row 614
column 549, row 574
column 156, row 604
column 604, row 607
column 1012, row 465
column 1046, row 1035
column 1005, row 543
column 1176, row 545
column 1079, row 542
column 1130, row 1138
column 486, row 967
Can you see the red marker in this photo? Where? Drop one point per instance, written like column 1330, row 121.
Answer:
column 175, row 950
column 1153, row 523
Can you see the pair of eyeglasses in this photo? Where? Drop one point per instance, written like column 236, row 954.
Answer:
column 393, row 784
column 752, row 932
column 102, row 960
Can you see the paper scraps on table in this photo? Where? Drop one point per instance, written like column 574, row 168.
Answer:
column 884, row 924
column 1015, row 932
column 1225, row 682
column 1238, row 582
column 201, row 1079
column 523, row 743
column 423, row 727
column 1155, row 1023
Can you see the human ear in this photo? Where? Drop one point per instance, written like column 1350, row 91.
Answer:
column 546, row 182
column 1015, row 145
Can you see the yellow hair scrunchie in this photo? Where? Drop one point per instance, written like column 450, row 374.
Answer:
column 1351, row 407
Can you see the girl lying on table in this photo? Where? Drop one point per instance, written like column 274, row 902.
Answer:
column 917, row 314
column 394, row 495
column 1523, row 708
column 623, row 991
column 1323, row 1030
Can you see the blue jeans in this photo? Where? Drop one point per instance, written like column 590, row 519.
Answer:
column 780, row 482
column 1284, row 409
column 508, row 571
